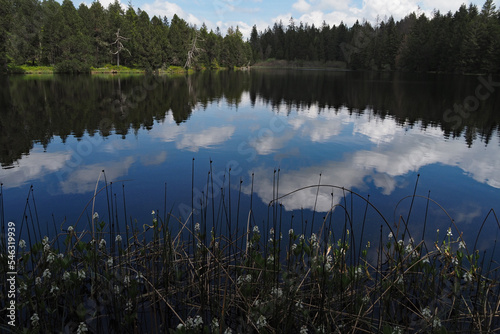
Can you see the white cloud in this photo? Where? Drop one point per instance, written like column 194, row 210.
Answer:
column 206, row 138
column 190, row 140
column 33, row 166
column 317, row 127
column 301, row 6
column 156, row 159
column 267, row 143
column 169, row 9
column 84, row 178
column 398, row 153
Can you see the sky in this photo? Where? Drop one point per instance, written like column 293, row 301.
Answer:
column 264, row 13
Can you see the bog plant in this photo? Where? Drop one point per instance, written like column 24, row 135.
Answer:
column 177, row 276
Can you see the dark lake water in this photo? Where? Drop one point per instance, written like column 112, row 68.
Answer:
column 372, row 133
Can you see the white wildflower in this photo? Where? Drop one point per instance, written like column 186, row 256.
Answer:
column 426, row 313
column 290, row 231
column 66, row 276
column 46, row 248
column 468, row 277
column 197, row 227
column 118, row 238
column 153, row 212
column 228, row 331
column 38, row 281
column 397, row 330
column 139, row 277
column 426, row 260
column 454, row 261
column 449, row 234
column 215, row 324
column 270, row 259
column 22, row 244
column 45, row 241
column 328, row 266
column 128, row 305
column 399, row 280
column 54, row 289
column 60, row 255
column 82, row 328
column 436, row 323
column 321, row 329
column 110, row 261
column 294, row 247
column 301, row 237
column 271, row 232
column 244, row 279
column 95, row 216
column 46, row 273
column 51, row 257
column 34, row 320
column 408, row 248
column 299, row 305
column 102, row 244
column 358, row 272
column 116, row 289
column 194, row 323
column 126, row 280
column 276, row 292
column 303, row 330
column 180, row 326
column 81, row 274
column 390, row 235
column 314, row 241
column 256, row 229
column 461, row 244
column 261, row 322
column 70, row 229
column 22, row 287
column 365, row 299
column 313, row 238
column 401, row 242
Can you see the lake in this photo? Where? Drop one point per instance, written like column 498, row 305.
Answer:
column 225, row 142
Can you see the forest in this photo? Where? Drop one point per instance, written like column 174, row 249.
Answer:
column 47, row 33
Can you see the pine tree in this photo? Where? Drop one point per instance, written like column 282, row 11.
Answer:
column 5, row 22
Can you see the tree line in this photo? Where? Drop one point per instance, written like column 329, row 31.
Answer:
column 73, row 39
column 462, row 42
column 47, row 33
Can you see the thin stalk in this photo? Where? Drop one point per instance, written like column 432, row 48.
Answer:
column 315, row 203
column 411, row 206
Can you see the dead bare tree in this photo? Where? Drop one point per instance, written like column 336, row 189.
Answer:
column 193, row 52
column 119, row 46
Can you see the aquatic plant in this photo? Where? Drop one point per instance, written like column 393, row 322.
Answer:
column 178, row 276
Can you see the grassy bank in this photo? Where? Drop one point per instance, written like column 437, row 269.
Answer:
column 186, row 276
column 107, row 69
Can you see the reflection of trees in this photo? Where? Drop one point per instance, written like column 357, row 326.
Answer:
column 34, row 109
column 409, row 98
